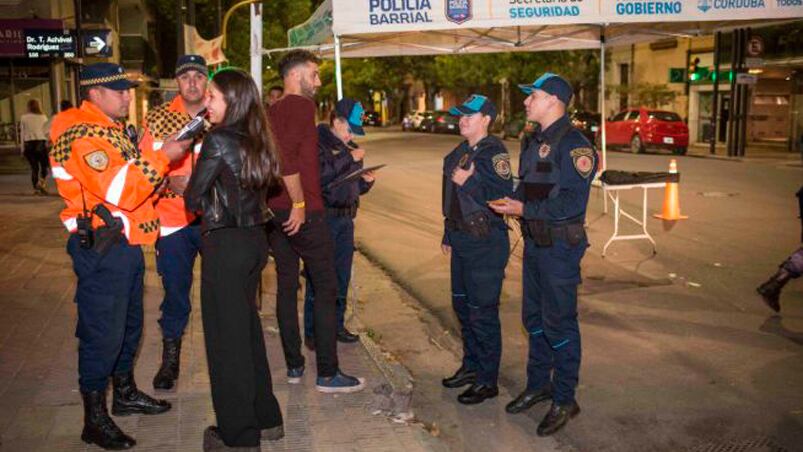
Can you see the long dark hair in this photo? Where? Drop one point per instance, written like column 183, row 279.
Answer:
column 244, row 112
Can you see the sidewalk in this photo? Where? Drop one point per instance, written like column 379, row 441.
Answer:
column 40, row 407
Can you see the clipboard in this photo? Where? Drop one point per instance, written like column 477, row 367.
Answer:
column 354, row 175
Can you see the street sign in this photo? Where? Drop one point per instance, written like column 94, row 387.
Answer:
column 753, row 62
column 97, row 43
column 746, row 79
column 677, row 75
column 755, row 46
column 50, row 44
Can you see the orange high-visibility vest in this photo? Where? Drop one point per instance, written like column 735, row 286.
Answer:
column 93, row 161
column 160, row 123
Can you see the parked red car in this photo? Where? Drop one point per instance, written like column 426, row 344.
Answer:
column 643, row 128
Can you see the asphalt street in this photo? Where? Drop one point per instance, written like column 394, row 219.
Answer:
column 678, row 350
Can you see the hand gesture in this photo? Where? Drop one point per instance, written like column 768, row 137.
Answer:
column 507, row 206
column 175, row 150
column 358, row 154
column 293, row 224
column 460, row 175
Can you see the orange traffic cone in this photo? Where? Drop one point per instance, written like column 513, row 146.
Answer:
column 671, row 209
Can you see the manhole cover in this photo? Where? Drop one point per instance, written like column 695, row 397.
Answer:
column 716, row 194
column 760, row 444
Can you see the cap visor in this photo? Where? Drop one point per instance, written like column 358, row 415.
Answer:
column 357, row 130
column 461, row 110
column 527, row 88
column 120, row 85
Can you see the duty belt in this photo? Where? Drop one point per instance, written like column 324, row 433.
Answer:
column 544, row 235
column 341, row 211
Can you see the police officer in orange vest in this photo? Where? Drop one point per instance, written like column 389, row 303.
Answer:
column 108, row 186
column 179, row 234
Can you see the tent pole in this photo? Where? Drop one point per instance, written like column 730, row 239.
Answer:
column 338, row 75
column 602, row 97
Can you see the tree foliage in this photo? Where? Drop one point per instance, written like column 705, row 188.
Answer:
column 652, row 95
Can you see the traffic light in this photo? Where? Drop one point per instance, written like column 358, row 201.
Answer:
column 693, row 68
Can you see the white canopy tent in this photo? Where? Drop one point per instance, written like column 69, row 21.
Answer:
column 372, row 28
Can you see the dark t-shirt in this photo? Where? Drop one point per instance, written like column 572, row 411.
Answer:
column 292, row 120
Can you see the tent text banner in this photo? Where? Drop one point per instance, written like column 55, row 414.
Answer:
column 379, row 16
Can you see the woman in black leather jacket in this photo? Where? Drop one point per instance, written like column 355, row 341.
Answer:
column 229, row 184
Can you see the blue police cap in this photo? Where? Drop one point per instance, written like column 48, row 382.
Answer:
column 475, row 103
column 351, row 111
column 552, row 84
column 108, row 75
column 190, row 63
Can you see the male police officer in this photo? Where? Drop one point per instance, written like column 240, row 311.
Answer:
column 179, row 234
column 555, row 169
column 475, row 173
column 108, row 185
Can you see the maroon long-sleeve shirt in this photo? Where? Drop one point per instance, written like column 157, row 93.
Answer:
column 292, row 120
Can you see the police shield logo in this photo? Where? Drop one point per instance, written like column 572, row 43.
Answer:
column 458, row 11
column 544, row 151
column 97, row 160
column 501, row 164
column 583, row 159
column 462, row 161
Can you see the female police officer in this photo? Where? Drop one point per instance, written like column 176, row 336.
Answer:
column 474, row 173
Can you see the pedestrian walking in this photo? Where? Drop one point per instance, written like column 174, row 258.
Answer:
column 33, row 145
column 555, row 170
column 476, row 173
column 179, row 229
column 237, row 166
column 108, row 185
column 339, row 156
column 299, row 230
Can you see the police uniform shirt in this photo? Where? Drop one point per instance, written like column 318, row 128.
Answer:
column 556, row 169
column 492, row 178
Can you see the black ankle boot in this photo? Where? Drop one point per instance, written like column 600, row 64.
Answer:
column 166, row 378
column 130, row 400
column 99, row 428
column 770, row 291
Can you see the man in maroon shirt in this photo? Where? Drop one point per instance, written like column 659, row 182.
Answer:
column 299, row 230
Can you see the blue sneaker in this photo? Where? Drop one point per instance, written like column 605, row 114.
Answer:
column 294, row 375
column 340, row 382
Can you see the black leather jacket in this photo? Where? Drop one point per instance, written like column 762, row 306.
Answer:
column 214, row 187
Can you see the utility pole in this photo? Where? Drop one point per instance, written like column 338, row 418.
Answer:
column 256, row 44
column 179, row 28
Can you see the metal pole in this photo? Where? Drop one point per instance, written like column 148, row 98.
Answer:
column 256, row 45
column 180, row 50
column 218, row 17
column 744, row 96
column 602, row 98
column 79, row 51
column 732, row 103
column 715, row 100
column 338, row 75
column 13, row 92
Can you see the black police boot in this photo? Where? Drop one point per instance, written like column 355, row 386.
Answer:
column 557, row 417
column 130, row 400
column 528, row 398
column 165, row 379
column 347, row 336
column 770, row 291
column 477, row 394
column 460, row 378
column 99, row 428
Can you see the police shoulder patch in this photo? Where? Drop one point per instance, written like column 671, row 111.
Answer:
column 501, row 163
column 97, row 160
column 583, row 159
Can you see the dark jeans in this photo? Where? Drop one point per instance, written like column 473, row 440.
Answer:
column 312, row 245
column 175, row 258
column 36, row 153
column 342, row 231
column 242, row 391
column 109, row 298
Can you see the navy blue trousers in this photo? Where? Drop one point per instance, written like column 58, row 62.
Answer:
column 175, row 258
column 477, row 271
column 109, row 298
column 549, row 312
column 342, row 232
